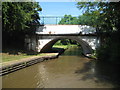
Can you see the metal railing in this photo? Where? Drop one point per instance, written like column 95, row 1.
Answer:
column 54, row 19
column 50, row 19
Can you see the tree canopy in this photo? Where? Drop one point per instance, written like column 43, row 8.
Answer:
column 19, row 15
column 18, row 19
column 84, row 19
column 105, row 15
column 106, row 18
column 68, row 19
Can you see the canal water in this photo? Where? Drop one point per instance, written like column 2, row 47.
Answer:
column 70, row 70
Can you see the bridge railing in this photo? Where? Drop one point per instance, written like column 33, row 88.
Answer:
column 46, row 28
column 50, row 19
column 53, row 19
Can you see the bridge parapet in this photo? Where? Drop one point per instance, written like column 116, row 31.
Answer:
column 65, row 29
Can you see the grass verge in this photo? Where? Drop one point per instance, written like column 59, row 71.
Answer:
column 13, row 54
column 63, row 46
column 10, row 57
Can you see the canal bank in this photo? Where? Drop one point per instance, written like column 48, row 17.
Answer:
column 11, row 66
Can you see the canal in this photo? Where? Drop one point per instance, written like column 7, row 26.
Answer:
column 70, row 70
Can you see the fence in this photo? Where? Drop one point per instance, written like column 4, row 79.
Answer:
column 50, row 19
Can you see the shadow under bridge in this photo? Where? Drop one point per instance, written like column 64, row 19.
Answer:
column 87, row 50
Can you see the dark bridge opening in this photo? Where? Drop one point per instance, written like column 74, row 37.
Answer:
column 86, row 49
column 67, row 47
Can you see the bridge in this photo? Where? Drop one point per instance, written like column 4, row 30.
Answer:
column 47, row 35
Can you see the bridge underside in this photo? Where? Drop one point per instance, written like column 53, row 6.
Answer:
column 87, row 50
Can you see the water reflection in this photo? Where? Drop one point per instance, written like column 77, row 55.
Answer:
column 100, row 72
column 73, row 51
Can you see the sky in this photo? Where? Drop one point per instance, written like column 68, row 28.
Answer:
column 58, row 9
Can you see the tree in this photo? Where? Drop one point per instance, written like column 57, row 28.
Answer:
column 68, row 19
column 19, row 15
column 18, row 19
column 86, row 19
column 106, row 18
column 106, row 14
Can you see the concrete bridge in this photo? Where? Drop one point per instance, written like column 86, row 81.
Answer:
column 47, row 35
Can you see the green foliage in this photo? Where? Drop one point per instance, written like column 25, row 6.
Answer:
column 17, row 16
column 67, row 42
column 105, row 16
column 58, row 43
column 68, row 19
column 18, row 19
column 87, row 19
column 63, row 42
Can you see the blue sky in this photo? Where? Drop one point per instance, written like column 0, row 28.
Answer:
column 58, row 9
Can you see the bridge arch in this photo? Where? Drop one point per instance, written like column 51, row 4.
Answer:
column 87, row 50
